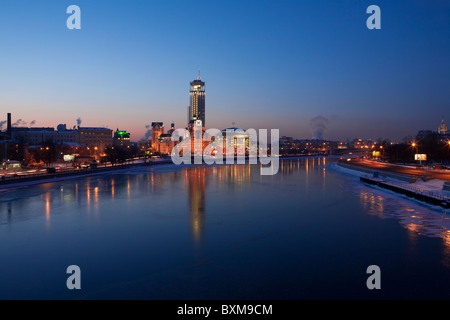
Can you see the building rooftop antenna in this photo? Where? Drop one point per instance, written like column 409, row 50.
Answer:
column 199, row 76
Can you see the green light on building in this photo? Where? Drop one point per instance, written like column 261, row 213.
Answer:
column 122, row 134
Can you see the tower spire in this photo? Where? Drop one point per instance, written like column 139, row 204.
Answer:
column 199, row 77
column 443, row 127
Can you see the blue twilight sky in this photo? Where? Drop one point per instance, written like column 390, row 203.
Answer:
column 266, row 64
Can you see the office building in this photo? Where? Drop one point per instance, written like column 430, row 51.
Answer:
column 40, row 135
column 121, row 138
column 96, row 137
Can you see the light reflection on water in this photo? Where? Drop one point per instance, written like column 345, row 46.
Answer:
column 166, row 208
column 416, row 218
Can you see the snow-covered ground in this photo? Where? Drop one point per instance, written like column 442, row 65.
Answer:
column 434, row 185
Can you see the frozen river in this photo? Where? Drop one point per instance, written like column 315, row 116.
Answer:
column 222, row 232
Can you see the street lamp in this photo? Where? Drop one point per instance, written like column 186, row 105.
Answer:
column 417, row 152
column 382, row 154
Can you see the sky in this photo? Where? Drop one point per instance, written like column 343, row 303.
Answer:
column 275, row 64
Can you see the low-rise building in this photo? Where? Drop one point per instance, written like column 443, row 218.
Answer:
column 39, row 136
column 96, row 137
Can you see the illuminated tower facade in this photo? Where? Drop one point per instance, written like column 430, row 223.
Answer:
column 157, row 130
column 443, row 127
column 197, row 106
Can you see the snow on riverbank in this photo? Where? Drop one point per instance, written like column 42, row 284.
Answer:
column 434, row 185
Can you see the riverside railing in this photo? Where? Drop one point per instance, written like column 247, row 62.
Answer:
column 418, row 190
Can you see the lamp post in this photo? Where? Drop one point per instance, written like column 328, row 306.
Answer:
column 448, row 143
column 417, row 152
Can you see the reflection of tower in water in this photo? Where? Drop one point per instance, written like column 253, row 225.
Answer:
column 195, row 181
column 234, row 176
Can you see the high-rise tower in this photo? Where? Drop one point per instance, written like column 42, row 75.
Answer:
column 197, row 106
column 443, row 127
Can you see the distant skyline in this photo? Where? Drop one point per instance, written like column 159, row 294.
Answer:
column 266, row 64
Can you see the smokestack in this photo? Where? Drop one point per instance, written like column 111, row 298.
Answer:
column 8, row 128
